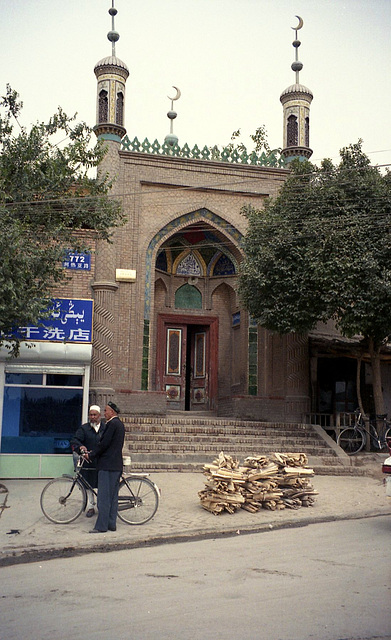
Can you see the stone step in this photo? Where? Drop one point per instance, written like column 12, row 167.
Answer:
column 182, row 443
column 235, row 450
column 209, row 432
column 217, row 439
column 202, row 457
column 174, row 466
column 165, row 424
column 196, row 431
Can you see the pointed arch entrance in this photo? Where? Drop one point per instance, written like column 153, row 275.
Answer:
column 193, row 296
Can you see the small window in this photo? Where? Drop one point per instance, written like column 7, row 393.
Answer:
column 24, row 378
column 292, row 132
column 307, row 132
column 103, row 106
column 120, row 108
column 63, row 380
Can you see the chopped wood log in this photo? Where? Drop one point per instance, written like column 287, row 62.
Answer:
column 271, row 482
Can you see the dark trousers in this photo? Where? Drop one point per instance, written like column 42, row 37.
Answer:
column 108, row 484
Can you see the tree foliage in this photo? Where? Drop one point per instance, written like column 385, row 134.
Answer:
column 322, row 249
column 259, row 139
column 47, row 198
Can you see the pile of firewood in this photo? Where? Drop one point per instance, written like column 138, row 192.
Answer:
column 276, row 481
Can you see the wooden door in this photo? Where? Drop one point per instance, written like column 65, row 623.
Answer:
column 187, row 361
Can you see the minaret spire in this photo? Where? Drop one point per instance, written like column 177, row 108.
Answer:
column 113, row 35
column 296, row 65
column 296, row 101
column 111, row 74
column 171, row 138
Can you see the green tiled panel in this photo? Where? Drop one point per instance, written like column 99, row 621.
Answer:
column 252, row 350
column 52, row 466
column 145, row 358
column 252, row 381
column 253, row 361
column 144, row 380
column 16, row 465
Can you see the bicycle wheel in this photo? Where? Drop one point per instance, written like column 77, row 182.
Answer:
column 63, row 500
column 138, row 500
column 351, row 440
column 386, row 437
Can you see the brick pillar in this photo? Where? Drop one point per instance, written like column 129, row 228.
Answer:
column 101, row 389
column 104, row 288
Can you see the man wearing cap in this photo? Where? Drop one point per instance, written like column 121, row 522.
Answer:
column 108, row 456
column 85, row 439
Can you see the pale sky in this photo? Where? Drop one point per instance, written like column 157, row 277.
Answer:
column 231, row 59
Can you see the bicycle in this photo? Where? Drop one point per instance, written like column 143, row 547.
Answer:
column 63, row 499
column 353, row 439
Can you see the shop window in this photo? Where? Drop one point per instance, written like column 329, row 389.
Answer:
column 41, row 412
column 337, row 385
column 23, row 378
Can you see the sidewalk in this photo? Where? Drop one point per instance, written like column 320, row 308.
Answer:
column 26, row 535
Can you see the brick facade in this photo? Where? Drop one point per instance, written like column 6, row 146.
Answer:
column 163, row 198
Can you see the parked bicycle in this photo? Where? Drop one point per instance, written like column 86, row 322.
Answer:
column 63, row 499
column 353, row 439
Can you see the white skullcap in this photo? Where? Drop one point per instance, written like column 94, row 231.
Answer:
column 94, row 407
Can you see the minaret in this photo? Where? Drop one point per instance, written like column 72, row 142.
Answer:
column 296, row 101
column 111, row 74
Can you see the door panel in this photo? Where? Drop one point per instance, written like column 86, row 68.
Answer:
column 199, row 396
column 174, row 378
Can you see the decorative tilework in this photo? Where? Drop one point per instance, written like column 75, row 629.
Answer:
column 172, row 227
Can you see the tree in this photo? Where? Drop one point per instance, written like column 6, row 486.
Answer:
column 259, row 138
column 47, row 198
column 322, row 250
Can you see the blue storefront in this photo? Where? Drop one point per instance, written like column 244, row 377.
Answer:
column 44, row 392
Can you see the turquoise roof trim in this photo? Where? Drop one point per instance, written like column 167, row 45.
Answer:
column 232, row 156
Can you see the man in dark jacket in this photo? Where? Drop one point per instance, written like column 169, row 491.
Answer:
column 108, row 456
column 85, row 439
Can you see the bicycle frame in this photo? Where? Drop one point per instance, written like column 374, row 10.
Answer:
column 372, row 432
column 78, row 477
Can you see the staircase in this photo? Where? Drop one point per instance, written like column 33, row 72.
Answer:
column 185, row 442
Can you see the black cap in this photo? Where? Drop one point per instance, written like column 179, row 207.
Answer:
column 113, row 406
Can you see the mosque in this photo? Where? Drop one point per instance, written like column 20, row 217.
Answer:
column 153, row 320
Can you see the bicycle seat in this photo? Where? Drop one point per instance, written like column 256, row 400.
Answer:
column 381, row 416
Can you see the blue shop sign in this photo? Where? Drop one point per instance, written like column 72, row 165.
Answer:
column 77, row 261
column 70, row 321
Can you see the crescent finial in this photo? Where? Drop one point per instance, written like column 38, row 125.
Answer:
column 178, row 94
column 300, row 25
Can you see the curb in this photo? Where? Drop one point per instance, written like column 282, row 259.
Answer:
column 43, row 554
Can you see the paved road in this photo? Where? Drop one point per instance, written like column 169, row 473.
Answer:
column 326, row 581
column 26, row 535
